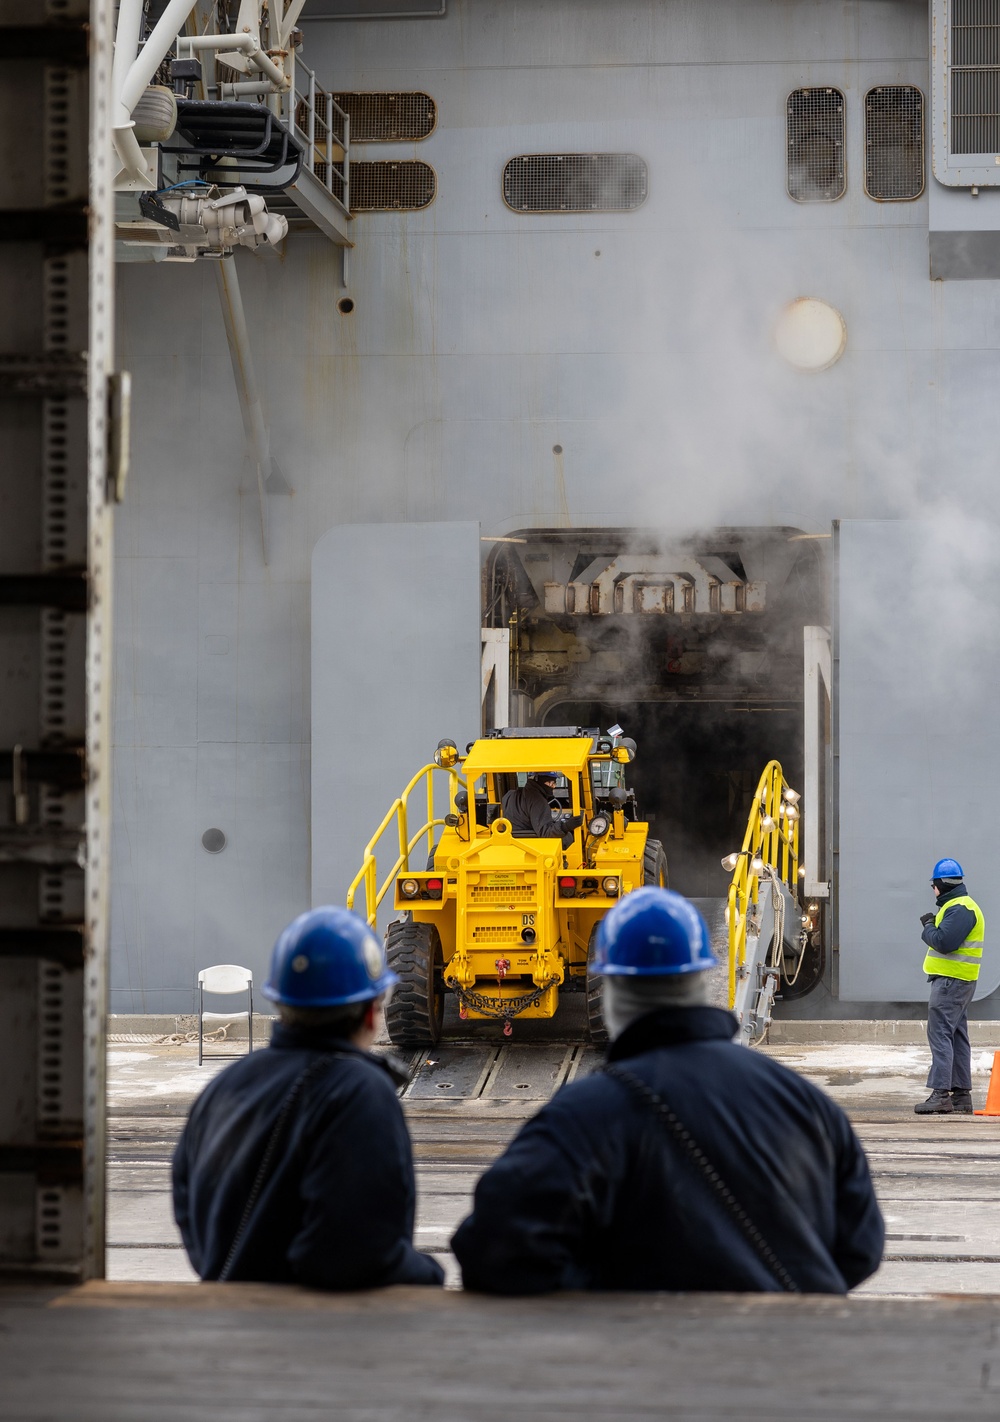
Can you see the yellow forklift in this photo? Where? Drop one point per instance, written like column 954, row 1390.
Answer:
column 502, row 916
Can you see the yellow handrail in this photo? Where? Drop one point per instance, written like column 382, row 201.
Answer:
column 367, row 875
column 771, row 842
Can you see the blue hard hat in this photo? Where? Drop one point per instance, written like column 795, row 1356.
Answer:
column 328, row 957
column 947, row 869
column 652, row 933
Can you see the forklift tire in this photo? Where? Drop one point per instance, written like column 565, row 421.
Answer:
column 416, row 1008
column 654, row 865
column 597, row 1033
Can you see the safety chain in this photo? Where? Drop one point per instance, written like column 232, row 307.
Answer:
column 700, row 1160
column 503, row 1010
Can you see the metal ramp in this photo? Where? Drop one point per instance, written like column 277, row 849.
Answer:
column 491, row 1074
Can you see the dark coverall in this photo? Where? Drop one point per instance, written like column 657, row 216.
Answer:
column 594, row 1193
column 948, row 1006
column 530, row 813
column 337, row 1210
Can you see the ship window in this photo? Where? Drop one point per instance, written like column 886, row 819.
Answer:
column 392, row 187
column 894, row 143
column 388, row 118
column 575, row 182
column 975, row 76
column 815, row 145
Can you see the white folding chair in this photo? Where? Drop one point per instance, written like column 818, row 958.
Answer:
column 222, row 979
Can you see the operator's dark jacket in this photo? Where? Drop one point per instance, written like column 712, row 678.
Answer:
column 529, row 811
column 954, row 928
column 594, row 1194
column 337, row 1212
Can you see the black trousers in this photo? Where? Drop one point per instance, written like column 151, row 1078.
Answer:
column 948, row 1034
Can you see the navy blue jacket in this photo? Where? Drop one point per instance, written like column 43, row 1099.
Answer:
column 954, row 928
column 593, row 1193
column 337, row 1211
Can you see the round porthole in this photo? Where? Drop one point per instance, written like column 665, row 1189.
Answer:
column 810, row 334
column 214, row 841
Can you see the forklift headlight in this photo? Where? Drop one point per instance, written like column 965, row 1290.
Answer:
column 409, row 888
column 610, row 887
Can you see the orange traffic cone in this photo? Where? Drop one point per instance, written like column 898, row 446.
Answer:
column 993, row 1092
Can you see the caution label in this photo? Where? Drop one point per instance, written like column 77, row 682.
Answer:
column 501, row 881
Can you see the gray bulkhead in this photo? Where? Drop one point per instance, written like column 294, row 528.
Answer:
column 523, row 371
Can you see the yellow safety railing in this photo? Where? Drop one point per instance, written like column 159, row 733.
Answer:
column 367, row 875
column 771, row 843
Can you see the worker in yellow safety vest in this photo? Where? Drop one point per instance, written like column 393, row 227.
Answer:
column 954, row 937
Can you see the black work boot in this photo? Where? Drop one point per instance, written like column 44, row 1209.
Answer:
column 961, row 1101
column 939, row 1103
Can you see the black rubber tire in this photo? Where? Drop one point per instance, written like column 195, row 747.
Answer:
column 654, row 865
column 597, row 1033
column 416, row 1008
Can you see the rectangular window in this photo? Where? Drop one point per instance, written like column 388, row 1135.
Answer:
column 817, row 170
column 575, row 182
column 894, row 143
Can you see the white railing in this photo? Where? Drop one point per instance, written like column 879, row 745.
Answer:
column 324, row 130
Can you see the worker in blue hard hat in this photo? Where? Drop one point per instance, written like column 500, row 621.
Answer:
column 295, row 1162
column 688, row 1162
column 954, row 935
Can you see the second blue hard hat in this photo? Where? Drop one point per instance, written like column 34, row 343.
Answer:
column 947, row 869
column 328, row 957
column 652, row 933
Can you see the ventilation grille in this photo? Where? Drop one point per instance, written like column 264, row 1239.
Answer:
column 975, row 76
column 816, row 169
column 894, row 143
column 575, row 182
column 392, row 187
column 496, row 935
column 388, row 118
column 516, row 894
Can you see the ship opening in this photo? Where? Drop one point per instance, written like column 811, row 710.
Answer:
column 693, row 645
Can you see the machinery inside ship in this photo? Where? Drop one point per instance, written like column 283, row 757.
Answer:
column 695, row 646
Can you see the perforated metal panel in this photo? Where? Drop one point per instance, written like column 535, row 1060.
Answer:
column 56, row 290
column 389, row 118
column 975, row 76
column 392, row 187
column 894, row 143
column 575, row 182
column 817, row 170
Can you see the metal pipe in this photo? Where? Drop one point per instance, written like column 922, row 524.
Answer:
column 127, row 33
column 243, row 44
column 153, row 53
column 254, row 427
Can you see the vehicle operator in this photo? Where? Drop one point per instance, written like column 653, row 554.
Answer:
column 688, row 1162
column 954, row 937
column 295, row 1163
column 528, row 809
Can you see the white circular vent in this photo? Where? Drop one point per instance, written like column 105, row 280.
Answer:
column 811, row 334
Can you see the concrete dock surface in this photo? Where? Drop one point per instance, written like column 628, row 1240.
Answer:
column 938, row 1178
column 921, row 1340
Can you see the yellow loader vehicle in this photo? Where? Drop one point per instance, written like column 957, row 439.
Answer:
column 503, row 912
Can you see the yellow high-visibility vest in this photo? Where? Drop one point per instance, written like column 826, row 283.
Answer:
column 964, row 962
